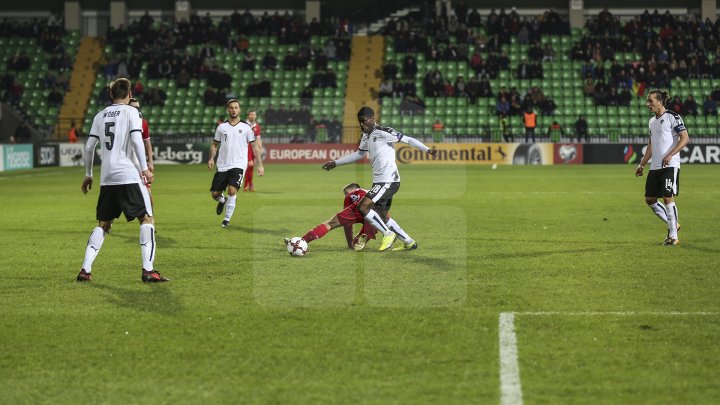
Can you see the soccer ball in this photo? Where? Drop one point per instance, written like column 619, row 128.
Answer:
column 297, row 247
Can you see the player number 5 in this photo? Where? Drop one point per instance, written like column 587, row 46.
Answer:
column 109, row 135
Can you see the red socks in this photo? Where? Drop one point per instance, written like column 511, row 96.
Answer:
column 316, row 233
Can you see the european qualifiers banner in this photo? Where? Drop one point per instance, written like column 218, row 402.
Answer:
column 633, row 153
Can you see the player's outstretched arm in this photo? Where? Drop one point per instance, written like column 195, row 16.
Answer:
column 258, row 158
column 353, row 157
column 419, row 145
column 213, row 152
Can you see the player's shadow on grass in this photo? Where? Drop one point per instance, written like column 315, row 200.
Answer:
column 155, row 299
column 435, row 263
column 161, row 240
column 261, row 231
column 536, row 254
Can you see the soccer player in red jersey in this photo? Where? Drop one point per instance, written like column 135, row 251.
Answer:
column 345, row 218
column 252, row 120
column 148, row 146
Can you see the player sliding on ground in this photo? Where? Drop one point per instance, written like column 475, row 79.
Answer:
column 380, row 143
column 346, row 218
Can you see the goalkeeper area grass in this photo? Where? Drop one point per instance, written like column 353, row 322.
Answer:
column 543, row 284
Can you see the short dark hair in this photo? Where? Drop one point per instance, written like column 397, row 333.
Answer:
column 366, row 112
column 119, row 88
column 351, row 185
column 232, row 100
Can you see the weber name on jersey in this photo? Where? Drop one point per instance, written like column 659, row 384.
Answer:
column 118, row 127
column 234, row 141
column 664, row 135
column 380, row 145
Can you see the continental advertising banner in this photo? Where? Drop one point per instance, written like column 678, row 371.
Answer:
column 17, row 157
column 633, row 153
column 448, row 153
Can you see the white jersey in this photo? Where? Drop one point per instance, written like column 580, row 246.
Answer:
column 234, row 141
column 114, row 127
column 664, row 135
column 380, row 145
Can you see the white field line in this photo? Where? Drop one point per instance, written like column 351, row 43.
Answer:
column 32, row 175
column 510, row 389
column 619, row 313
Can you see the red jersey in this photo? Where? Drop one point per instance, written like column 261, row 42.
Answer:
column 354, row 198
column 145, row 129
column 256, row 129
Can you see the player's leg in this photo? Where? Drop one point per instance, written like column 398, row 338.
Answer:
column 653, row 190
column 235, row 179
column 408, row 242
column 249, row 179
column 136, row 204
column 670, row 189
column 108, row 208
column 219, row 183
column 322, row 229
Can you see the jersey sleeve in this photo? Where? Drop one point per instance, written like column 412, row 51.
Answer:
column 250, row 135
column 256, row 130
column 363, row 146
column 348, row 200
column 677, row 124
column 391, row 135
column 96, row 129
column 218, row 134
column 136, row 123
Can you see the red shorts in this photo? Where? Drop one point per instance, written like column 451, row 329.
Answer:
column 350, row 215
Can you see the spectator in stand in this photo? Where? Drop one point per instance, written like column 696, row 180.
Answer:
column 523, row 70
column 555, row 132
column 248, row 62
column 54, row 98
column 409, row 67
column 690, row 106
column 502, row 106
column 22, row 134
column 438, row 129
column 710, row 106
column 269, row 61
column 581, row 128
column 677, row 105
column 182, row 79
column 386, row 89
column 504, row 123
column 306, row 96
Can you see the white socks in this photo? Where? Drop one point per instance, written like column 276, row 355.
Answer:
column 147, row 246
column 230, row 206
column 672, row 219
column 95, row 242
column 220, row 198
column 395, row 227
column 659, row 210
column 378, row 223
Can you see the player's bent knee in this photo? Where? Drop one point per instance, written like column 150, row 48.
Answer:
column 667, row 193
column 105, row 225
column 650, row 200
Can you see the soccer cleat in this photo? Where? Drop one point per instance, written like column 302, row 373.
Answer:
column 220, row 208
column 153, row 277
column 671, row 242
column 225, row 223
column 406, row 246
column 360, row 243
column 387, row 242
column 84, row 276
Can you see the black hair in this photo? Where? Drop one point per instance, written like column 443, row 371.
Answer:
column 366, row 112
column 351, row 185
column 232, row 100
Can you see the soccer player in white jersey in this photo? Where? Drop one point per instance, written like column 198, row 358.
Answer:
column 233, row 136
column 379, row 142
column 668, row 136
column 118, row 129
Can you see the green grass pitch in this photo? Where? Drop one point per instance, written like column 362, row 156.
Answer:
column 603, row 313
